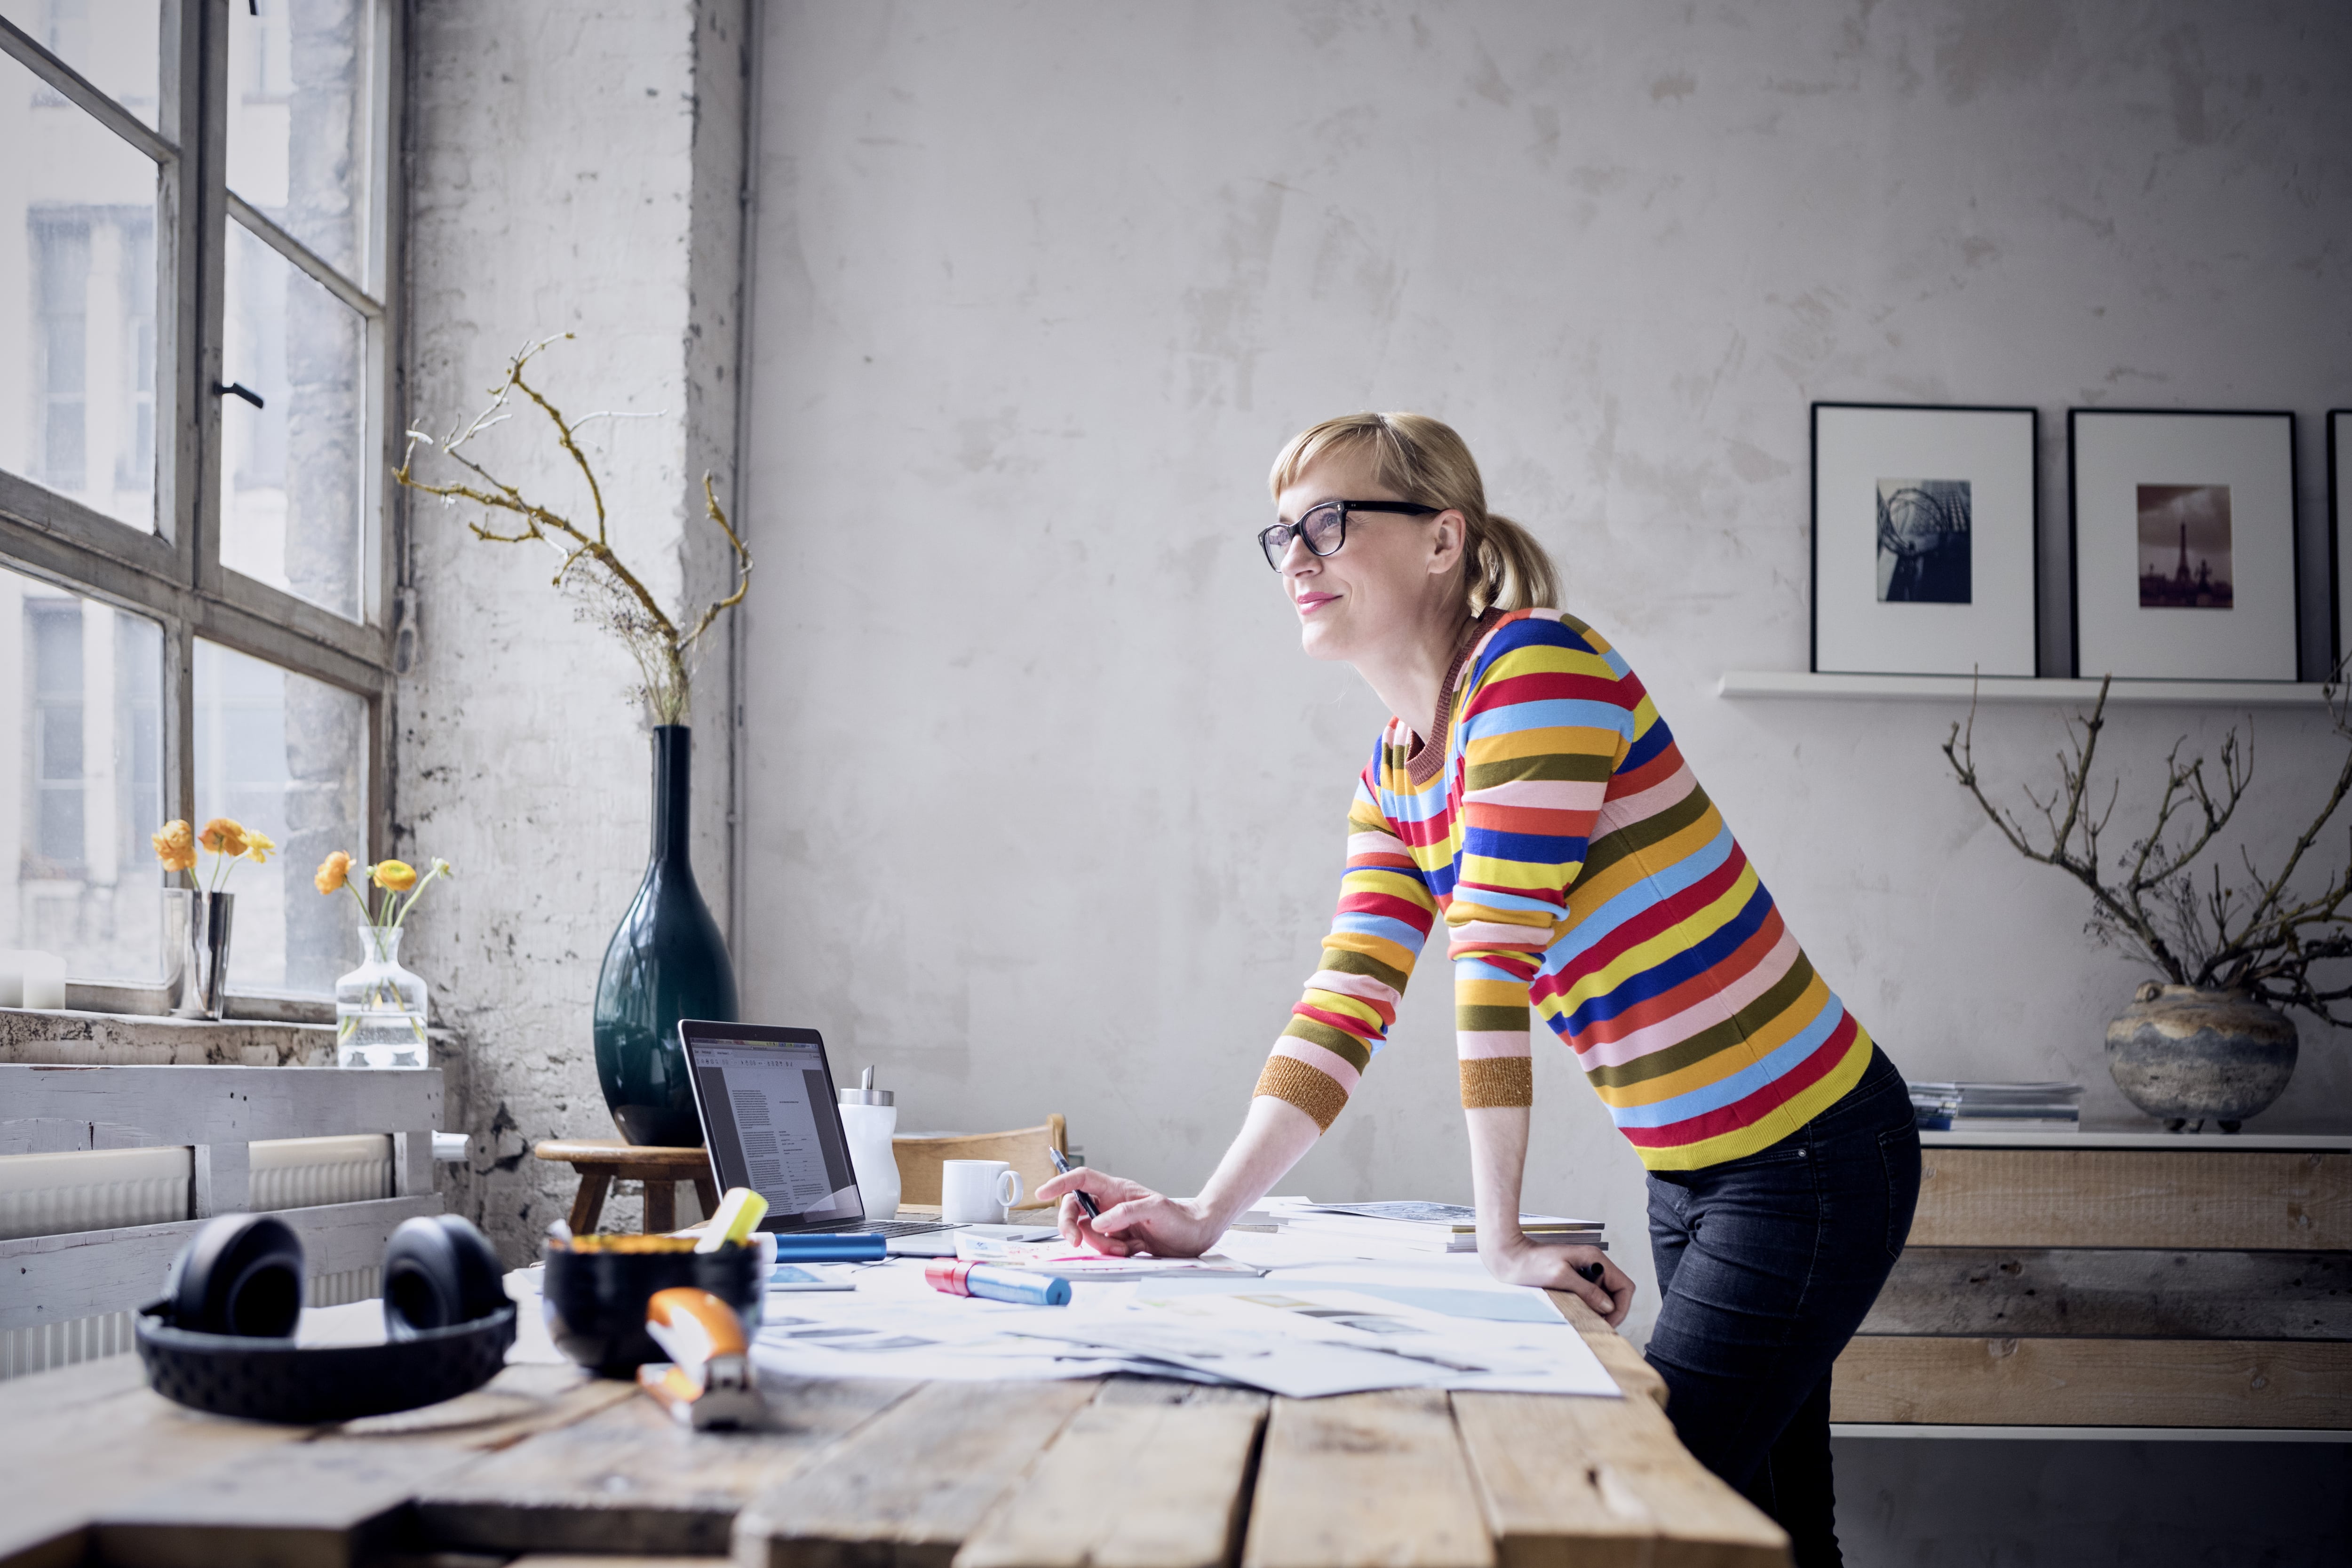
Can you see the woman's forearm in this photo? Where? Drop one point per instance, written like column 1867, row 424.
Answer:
column 1275, row 1137
column 1499, row 1162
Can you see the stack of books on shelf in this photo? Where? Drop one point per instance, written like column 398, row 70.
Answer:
column 1428, row 1228
column 1997, row 1107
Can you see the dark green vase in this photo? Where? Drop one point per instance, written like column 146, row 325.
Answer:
column 667, row 961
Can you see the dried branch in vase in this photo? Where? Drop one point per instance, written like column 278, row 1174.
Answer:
column 2257, row 936
column 611, row 595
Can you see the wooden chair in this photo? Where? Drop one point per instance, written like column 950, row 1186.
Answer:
column 1023, row 1149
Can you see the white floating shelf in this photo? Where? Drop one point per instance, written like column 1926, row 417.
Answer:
column 2020, row 689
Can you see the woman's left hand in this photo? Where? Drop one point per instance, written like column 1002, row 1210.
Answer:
column 1555, row 1268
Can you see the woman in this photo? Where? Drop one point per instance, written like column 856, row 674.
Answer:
column 1528, row 793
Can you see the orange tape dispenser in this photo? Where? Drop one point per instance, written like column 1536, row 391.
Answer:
column 706, row 1381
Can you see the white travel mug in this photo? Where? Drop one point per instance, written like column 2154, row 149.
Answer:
column 869, row 1117
column 977, row 1192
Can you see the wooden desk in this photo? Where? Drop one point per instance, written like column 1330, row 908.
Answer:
column 2114, row 1280
column 1139, row 1472
column 601, row 1163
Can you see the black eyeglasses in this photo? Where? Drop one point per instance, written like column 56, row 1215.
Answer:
column 1325, row 527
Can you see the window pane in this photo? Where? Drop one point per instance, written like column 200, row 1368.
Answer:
column 77, row 302
column 81, row 703
column 298, row 121
column 290, row 470
column 114, row 44
column 285, row 754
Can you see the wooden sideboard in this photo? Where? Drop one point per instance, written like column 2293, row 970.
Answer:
column 2115, row 1281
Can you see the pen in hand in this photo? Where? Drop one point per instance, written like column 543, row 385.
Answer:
column 1085, row 1201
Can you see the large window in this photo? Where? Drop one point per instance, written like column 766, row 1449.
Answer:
column 195, row 239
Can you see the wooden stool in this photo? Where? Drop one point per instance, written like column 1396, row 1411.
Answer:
column 601, row 1163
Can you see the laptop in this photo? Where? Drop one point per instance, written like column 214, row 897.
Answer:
column 771, row 1121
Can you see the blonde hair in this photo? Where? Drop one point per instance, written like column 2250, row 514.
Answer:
column 1423, row 460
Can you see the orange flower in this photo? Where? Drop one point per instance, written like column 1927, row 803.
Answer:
column 176, row 846
column 334, row 871
column 223, row 837
column 258, row 846
column 395, row 876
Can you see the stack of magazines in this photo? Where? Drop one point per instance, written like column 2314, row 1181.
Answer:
column 1997, row 1107
column 1430, row 1228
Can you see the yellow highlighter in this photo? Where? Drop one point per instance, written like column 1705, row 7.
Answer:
column 739, row 1213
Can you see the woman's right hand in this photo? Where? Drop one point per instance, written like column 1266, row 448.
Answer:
column 1134, row 1218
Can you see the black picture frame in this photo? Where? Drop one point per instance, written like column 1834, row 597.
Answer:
column 2336, row 429
column 2075, row 520
column 1813, row 529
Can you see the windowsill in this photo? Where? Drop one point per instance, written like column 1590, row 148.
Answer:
column 127, row 1001
column 69, row 1037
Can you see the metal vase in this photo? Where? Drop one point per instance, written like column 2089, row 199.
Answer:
column 197, row 927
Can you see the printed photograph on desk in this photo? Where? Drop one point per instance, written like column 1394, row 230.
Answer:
column 2184, row 544
column 1924, row 529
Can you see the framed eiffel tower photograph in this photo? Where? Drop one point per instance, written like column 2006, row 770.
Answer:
column 2183, row 544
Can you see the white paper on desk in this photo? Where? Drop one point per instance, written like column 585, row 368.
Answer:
column 893, row 1334
column 1334, row 1342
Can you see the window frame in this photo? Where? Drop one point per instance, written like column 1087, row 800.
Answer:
column 172, row 573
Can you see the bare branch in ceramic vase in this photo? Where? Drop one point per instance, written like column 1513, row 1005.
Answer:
column 611, row 594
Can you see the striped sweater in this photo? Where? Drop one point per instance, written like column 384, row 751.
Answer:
column 1578, row 865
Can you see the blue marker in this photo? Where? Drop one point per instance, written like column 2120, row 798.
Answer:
column 832, row 1247
column 983, row 1279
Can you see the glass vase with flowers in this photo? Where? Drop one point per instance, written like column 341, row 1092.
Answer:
column 198, row 920
column 380, row 1008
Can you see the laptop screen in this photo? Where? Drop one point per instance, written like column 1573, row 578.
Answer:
column 771, row 1122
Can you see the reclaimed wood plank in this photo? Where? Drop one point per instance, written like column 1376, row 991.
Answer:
column 80, row 1441
column 631, row 1479
column 2272, row 1383
column 1361, row 1479
column 2056, row 1292
column 2135, row 1198
column 1616, row 1353
column 132, row 1107
column 1587, row 1483
column 1151, row 1475
column 311, row 1505
column 908, row 1488
column 59, row 1471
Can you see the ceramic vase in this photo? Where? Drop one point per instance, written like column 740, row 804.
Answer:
column 197, row 927
column 666, row 962
column 380, row 1008
column 2184, row 1055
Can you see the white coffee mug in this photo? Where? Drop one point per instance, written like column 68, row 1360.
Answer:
column 977, row 1192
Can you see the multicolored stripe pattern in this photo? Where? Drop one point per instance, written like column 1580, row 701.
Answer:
column 1579, row 868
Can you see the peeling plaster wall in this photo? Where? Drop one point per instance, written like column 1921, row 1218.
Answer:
column 1043, row 805
column 573, row 168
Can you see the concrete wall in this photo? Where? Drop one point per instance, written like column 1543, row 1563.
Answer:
column 1043, row 805
column 573, row 168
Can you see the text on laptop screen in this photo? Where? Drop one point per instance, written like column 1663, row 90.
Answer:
column 785, row 1137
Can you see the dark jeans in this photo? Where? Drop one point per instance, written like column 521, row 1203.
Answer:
column 1765, row 1266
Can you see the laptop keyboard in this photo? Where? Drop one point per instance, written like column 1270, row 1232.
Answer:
column 890, row 1228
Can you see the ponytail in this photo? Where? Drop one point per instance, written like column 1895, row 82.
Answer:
column 1504, row 568
column 1509, row 570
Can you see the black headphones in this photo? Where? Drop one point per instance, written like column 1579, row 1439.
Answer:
column 222, row 1336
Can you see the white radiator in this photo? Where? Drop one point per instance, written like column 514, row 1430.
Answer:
column 101, row 1189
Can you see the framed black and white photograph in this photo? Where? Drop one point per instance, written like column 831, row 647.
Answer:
column 1924, row 523
column 2339, row 523
column 2183, row 544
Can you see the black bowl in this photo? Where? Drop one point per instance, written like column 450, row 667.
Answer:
column 595, row 1301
